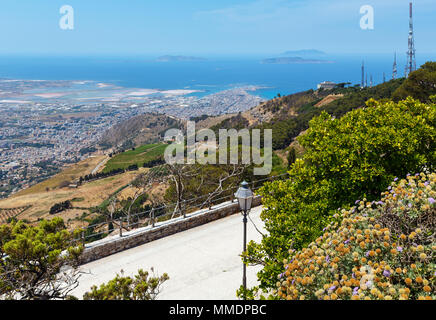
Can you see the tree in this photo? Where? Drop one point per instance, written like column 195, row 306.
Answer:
column 206, row 182
column 38, row 263
column 292, row 156
column 421, row 84
column 346, row 159
column 142, row 286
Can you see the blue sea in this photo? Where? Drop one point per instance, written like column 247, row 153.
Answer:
column 210, row 76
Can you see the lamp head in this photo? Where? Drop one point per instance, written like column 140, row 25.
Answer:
column 244, row 196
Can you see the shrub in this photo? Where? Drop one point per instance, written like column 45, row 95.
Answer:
column 59, row 207
column 141, row 287
column 381, row 250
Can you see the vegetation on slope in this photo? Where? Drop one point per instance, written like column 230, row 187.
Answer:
column 136, row 156
column 290, row 115
column 421, row 84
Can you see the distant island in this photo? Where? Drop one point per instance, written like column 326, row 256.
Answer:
column 179, row 59
column 305, row 52
column 294, row 60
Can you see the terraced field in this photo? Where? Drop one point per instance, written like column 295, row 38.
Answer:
column 138, row 156
column 5, row 214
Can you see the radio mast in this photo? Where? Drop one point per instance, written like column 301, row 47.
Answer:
column 411, row 57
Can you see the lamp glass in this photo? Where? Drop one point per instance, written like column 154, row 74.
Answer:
column 244, row 196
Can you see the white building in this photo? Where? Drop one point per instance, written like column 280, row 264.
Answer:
column 327, row 85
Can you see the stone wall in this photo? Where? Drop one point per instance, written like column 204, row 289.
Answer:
column 111, row 245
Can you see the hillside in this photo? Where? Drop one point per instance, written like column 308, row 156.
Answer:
column 34, row 203
column 288, row 116
column 140, row 130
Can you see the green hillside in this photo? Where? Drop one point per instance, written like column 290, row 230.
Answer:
column 137, row 156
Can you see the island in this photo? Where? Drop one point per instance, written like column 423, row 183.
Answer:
column 179, row 59
column 294, row 60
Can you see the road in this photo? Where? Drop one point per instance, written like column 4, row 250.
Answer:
column 203, row 263
column 97, row 168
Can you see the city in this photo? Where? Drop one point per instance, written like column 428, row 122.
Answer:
column 37, row 139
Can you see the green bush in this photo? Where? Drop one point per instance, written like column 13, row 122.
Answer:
column 142, row 286
column 352, row 157
column 381, row 250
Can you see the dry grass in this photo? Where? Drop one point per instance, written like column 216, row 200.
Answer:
column 88, row 195
column 328, row 99
column 212, row 121
column 69, row 174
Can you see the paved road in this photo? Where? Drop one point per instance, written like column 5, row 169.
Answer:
column 203, row 263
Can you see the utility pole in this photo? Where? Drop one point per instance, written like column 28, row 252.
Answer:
column 394, row 68
column 362, row 85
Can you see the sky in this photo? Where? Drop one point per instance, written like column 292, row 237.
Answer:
column 212, row 27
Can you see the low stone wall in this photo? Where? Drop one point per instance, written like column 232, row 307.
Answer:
column 131, row 239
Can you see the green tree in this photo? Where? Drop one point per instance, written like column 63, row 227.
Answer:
column 346, row 159
column 38, row 263
column 421, row 84
column 142, row 286
column 292, row 156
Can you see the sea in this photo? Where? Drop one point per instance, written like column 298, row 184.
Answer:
column 210, row 76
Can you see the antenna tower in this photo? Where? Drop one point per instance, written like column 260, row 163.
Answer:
column 411, row 58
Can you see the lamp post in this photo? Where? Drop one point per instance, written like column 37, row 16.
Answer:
column 245, row 198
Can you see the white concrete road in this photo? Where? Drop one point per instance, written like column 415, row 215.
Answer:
column 203, row 263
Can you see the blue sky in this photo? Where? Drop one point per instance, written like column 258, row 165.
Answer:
column 209, row 27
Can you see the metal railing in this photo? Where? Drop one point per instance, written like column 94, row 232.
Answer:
column 166, row 212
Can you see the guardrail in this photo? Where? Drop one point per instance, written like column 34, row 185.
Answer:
column 151, row 218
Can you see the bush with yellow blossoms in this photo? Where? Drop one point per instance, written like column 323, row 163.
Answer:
column 381, row 250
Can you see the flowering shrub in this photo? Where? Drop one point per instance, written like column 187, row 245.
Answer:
column 380, row 250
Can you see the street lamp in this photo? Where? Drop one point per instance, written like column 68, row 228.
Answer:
column 245, row 199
